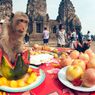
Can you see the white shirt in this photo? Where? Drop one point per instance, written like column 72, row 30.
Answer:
column 46, row 34
column 88, row 36
column 61, row 37
column 74, row 35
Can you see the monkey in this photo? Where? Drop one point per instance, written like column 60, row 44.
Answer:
column 11, row 38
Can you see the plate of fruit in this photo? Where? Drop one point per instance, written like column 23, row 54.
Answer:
column 75, row 78
column 32, row 79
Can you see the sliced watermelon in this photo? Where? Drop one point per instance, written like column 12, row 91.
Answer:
column 26, row 57
column 7, row 62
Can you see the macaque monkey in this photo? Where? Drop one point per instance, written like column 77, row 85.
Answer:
column 11, row 38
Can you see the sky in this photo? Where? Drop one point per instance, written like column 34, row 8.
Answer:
column 84, row 10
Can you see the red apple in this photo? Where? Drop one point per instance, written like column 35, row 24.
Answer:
column 66, row 61
column 74, row 72
column 74, row 54
column 84, row 57
column 79, row 63
column 88, row 78
column 91, row 63
column 90, row 53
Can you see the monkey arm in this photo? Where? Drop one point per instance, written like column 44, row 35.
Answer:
column 5, row 46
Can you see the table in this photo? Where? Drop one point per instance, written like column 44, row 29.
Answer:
column 51, row 84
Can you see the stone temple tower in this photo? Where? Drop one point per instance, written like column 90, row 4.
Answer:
column 37, row 12
column 67, row 16
column 5, row 8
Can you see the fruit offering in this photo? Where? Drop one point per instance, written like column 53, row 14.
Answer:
column 30, row 77
column 88, row 78
column 78, row 63
column 14, row 70
column 74, row 72
column 81, row 72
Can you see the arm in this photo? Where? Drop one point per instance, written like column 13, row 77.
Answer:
column 4, row 45
column 4, row 42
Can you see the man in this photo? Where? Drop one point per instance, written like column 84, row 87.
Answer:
column 45, row 36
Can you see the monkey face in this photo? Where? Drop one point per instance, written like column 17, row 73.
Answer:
column 20, row 23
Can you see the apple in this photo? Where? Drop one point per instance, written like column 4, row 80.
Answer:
column 74, row 54
column 91, row 63
column 79, row 63
column 88, row 78
column 89, row 52
column 66, row 61
column 74, row 72
column 84, row 57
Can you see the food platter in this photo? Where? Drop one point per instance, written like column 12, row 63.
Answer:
column 62, row 78
column 40, row 59
column 33, row 85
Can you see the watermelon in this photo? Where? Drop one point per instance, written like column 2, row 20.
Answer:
column 14, row 71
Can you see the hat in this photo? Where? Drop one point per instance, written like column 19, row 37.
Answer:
column 2, row 21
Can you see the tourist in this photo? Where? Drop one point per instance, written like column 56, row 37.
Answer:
column 81, row 47
column 61, row 36
column 80, row 37
column 88, row 36
column 78, row 46
column 73, row 38
column 26, row 38
column 45, row 36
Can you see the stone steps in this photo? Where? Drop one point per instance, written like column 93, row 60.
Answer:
column 40, row 42
column 37, row 39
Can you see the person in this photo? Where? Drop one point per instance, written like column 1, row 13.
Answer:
column 88, row 36
column 45, row 36
column 61, row 36
column 81, row 47
column 80, row 37
column 78, row 46
column 73, row 38
column 26, row 38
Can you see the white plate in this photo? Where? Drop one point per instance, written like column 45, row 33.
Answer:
column 33, row 85
column 62, row 78
column 40, row 59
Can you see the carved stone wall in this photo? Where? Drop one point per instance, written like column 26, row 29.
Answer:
column 37, row 12
column 38, row 16
column 67, row 16
column 5, row 8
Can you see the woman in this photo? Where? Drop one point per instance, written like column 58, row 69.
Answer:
column 61, row 35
